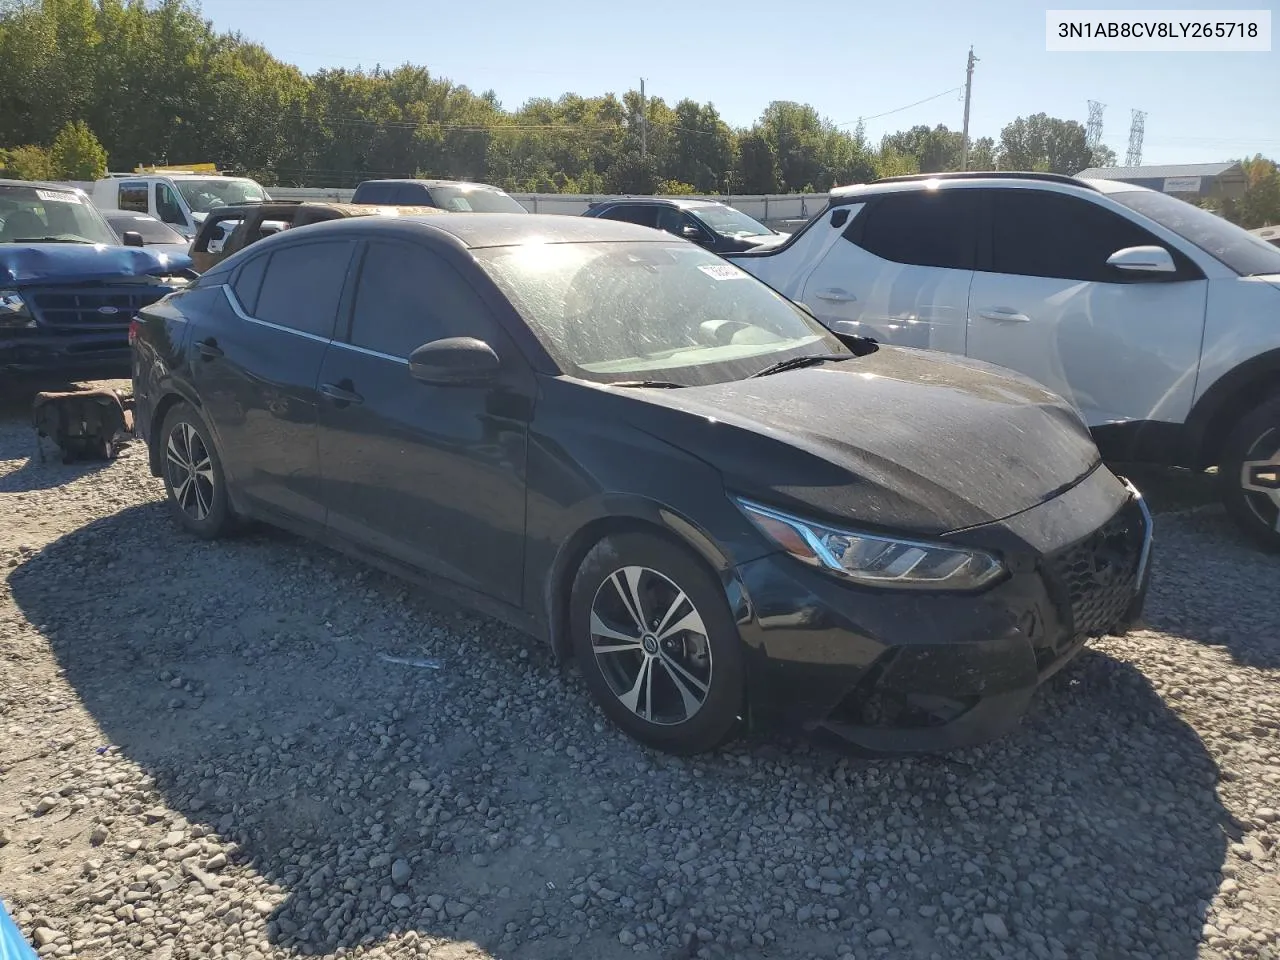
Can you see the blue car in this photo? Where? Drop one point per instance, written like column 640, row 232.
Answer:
column 69, row 287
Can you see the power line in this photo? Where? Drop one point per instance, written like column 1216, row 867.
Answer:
column 877, row 116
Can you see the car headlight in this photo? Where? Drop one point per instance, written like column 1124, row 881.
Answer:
column 13, row 310
column 873, row 559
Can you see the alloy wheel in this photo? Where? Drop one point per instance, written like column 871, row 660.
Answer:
column 1260, row 478
column 190, row 469
column 651, row 646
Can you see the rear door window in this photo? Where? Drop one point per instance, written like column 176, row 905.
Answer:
column 303, row 285
column 935, row 228
column 133, row 196
column 644, row 214
column 249, row 281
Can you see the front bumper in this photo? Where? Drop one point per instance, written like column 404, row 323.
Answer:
column 88, row 355
column 902, row 672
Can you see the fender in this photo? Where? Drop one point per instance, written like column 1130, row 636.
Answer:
column 612, row 513
column 1233, row 394
column 170, row 390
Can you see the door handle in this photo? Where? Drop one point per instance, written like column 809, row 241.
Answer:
column 835, row 294
column 1004, row 315
column 209, row 349
column 340, row 395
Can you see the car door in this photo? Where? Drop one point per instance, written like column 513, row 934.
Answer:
column 900, row 271
column 431, row 476
column 171, row 210
column 255, row 367
column 1045, row 302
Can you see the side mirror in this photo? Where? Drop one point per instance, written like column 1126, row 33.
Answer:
column 1150, row 259
column 132, row 238
column 690, row 232
column 454, row 362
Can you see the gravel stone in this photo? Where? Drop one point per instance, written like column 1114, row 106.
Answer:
column 313, row 798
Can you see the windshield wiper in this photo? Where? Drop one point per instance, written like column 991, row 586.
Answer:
column 661, row 384
column 60, row 239
column 794, row 363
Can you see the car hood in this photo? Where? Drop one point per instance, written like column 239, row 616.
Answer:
column 764, row 241
column 75, row 262
column 903, row 440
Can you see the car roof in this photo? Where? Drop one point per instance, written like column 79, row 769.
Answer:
column 1010, row 180
column 684, row 203
column 127, row 215
column 476, row 230
column 41, row 185
column 465, row 184
column 283, row 207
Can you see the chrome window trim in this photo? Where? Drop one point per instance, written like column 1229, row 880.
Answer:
column 370, row 353
column 239, row 312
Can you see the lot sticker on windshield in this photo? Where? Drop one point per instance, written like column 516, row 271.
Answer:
column 722, row 271
column 58, row 196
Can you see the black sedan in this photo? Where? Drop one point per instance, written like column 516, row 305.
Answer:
column 635, row 451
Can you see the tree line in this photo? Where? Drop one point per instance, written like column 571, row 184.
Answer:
column 156, row 83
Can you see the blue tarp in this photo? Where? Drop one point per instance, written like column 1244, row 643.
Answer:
column 13, row 945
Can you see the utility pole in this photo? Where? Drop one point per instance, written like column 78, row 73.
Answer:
column 968, row 90
column 644, row 123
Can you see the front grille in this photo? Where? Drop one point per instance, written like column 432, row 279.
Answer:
column 1093, row 581
column 84, row 308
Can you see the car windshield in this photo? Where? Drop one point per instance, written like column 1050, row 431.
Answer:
column 653, row 311
column 207, row 194
column 36, row 214
column 1246, row 254
column 730, row 222
column 150, row 229
column 475, row 200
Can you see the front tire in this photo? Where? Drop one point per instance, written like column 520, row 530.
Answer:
column 1250, row 474
column 656, row 643
column 193, row 477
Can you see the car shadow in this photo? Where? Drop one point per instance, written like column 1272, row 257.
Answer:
column 52, row 473
column 1212, row 585
column 289, row 732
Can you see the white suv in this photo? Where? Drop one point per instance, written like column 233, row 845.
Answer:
column 1158, row 320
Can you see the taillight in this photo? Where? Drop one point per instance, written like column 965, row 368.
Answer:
column 134, row 327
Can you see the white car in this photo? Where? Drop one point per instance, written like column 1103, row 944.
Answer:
column 1158, row 320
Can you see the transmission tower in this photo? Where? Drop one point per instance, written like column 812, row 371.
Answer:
column 1134, row 157
column 1093, row 132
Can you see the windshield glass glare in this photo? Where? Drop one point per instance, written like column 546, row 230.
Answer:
column 1246, row 254
column 207, row 194
column 730, row 222
column 653, row 311
column 34, row 214
column 475, row 200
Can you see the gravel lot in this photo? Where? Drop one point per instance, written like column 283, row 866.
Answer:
column 219, row 750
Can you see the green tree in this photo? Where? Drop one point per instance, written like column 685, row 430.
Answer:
column 633, row 174
column 1042, row 142
column 935, row 149
column 1260, row 204
column 76, row 153
column 756, row 169
column 26, row 163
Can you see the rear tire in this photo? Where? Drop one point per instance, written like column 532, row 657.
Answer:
column 671, row 673
column 1249, row 474
column 193, row 477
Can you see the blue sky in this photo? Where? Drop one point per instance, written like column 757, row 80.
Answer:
column 845, row 61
